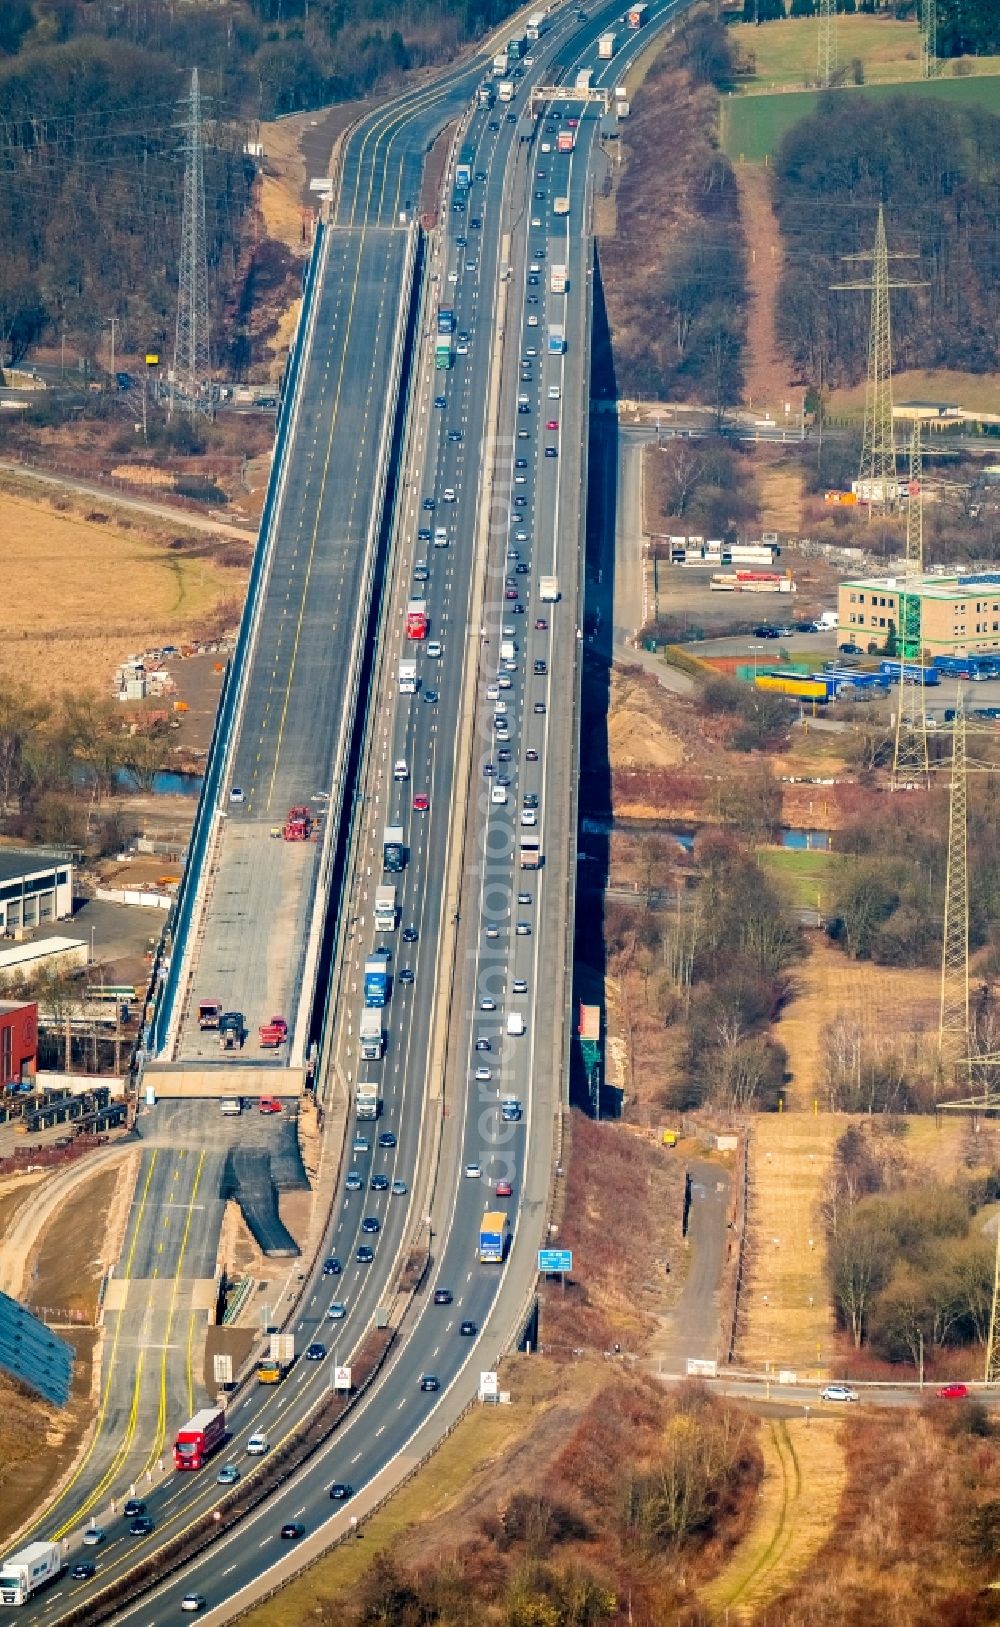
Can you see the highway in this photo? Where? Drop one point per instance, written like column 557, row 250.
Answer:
column 512, row 926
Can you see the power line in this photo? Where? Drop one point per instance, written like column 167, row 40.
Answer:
column 929, row 56
column 909, row 756
column 953, row 1023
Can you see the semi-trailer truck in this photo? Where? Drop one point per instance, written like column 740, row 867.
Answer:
column 386, row 911
column 494, row 1233
column 199, row 1438
column 548, row 589
column 560, row 206
column 557, row 340
column 500, row 63
column 535, row 26
column 584, row 78
column 606, row 46
column 446, row 319
column 558, row 280
column 278, row 1363
column 531, row 853
column 442, row 351
column 463, row 177
column 565, row 141
column 376, row 980
column 636, row 16
column 484, row 95
column 25, row 1573
column 505, row 90
column 393, row 849
column 370, row 1034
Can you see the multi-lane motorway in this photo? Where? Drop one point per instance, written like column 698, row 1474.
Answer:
column 488, row 939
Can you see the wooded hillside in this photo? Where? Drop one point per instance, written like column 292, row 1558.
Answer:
column 935, row 168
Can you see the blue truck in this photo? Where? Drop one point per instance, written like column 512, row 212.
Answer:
column 913, row 672
column 377, row 980
column 976, row 667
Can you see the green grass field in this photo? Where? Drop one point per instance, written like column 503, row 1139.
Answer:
column 805, row 874
column 752, row 126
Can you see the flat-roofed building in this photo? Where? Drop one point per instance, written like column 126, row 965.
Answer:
column 931, row 615
column 34, row 888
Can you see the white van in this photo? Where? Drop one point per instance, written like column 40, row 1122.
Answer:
column 498, row 793
column 515, row 1023
column 232, row 1107
column 440, row 537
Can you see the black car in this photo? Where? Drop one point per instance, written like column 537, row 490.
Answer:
column 83, row 1571
column 431, row 696
column 142, row 1527
column 133, row 1508
column 468, row 1330
column 405, row 975
column 850, row 649
column 379, row 1183
column 504, row 754
column 315, row 1351
column 293, row 1530
column 429, row 1382
column 429, row 504
column 483, row 1044
column 364, row 1255
column 424, row 533
column 387, row 1139
column 540, row 668
column 766, row 632
column 523, row 567
column 442, row 1296
column 440, row 402
column 410, row 934
column 370, row 1226
column 331, row 1267
column 340, row 1491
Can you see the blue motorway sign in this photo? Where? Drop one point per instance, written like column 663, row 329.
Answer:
column 555, row 1259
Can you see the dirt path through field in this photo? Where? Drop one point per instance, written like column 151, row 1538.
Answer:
column 803, row 1478
column 767, row 379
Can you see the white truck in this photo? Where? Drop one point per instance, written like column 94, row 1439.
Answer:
column 606, row 46
column 23, row 1574
column 558, row 280
column 536, row 25
column 371, row 1037
column 409, row 683
column 500, row 63
column 584, row 79
column 505, row 90
column 560, row 206
column 515, row 1023
column 386, row 912
column 548, row 589
column 366, row 1099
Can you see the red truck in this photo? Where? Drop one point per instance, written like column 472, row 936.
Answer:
column 565, row 141
column 416, row 618
column 199, row 1438
column 298, row 826
column 273, row 1033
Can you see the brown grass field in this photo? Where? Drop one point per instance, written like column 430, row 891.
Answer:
column 89, row 594
column 828, row 985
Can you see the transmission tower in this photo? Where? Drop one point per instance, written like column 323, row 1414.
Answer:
column 878, row 453
column 953, row 1028
column 909, row 758
column 929, row 56
column 190, row 384
column 993, row 1342
column 827, row 57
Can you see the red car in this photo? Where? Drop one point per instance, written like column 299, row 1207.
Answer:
column 269, row 1104
column 421, row 802
column 541, row 625
column 503, row 1189
column 954, row 1392
column 553, row 423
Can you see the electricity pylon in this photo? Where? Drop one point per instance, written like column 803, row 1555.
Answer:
column 877, row 478
column 909, row 758
column 190, row 383
column 826, row 66
column 953, row 1026
column 929, row 56
column 993, row 1342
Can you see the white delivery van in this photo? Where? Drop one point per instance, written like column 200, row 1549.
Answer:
column 515, row 1022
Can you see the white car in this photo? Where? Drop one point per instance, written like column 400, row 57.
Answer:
column 529, row 816
column 546, row 146
column 554, row 392
column 492, row 692
column 838, row 1392
column 462, row 348
column 449, row 494
column 193, row 1602
column 483, row 1074
column 93, row 1536
column 257, row 1445
column 503, row 682
column 237, row 796
column 434, row 649
column 532, row 320
column 473, row 1172
column 400, row 769
column 453, row 276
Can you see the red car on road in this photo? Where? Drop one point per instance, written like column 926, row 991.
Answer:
column 503, row 1189
column 421, row 802
column 954, row 1392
